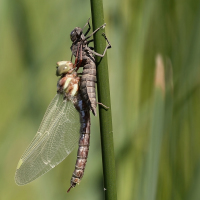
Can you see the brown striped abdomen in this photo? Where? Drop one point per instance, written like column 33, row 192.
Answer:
column 87, row 86
column 88, row 79
column 84, row 142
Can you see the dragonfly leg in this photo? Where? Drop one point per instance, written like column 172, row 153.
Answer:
column 76, row 60
column 98, row 54
column 104, row 35
column 103, row 105
column 89, row 27
column 102, row 26
column 80, row 59
column 90, row 41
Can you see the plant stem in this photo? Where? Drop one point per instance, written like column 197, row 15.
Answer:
column 105, row 117
column 150, row 182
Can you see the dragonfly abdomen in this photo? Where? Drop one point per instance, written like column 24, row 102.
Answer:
column 84, row 142
column 81, row 159
column 87, row 85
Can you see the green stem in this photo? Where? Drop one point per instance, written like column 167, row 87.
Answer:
column 105, row 116
column 150, row 181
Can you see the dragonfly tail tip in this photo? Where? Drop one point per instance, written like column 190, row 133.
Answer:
column 69, row 189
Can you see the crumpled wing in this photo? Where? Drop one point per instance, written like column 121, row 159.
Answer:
column 57, row 136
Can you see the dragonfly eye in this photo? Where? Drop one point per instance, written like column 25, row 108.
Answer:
column 63, row 67
column 75, row 34
column 71, row 34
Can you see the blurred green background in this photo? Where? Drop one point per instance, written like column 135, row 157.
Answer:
column 156, row 131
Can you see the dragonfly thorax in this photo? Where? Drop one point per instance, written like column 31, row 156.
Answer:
column 68, row 85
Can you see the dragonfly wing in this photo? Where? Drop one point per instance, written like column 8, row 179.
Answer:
column 57, row 136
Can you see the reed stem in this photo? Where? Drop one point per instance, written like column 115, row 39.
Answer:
column 105, row 117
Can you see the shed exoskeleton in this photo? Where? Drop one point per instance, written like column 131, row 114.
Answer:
column 84, row 57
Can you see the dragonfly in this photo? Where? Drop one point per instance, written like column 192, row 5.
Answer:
column 66, row 121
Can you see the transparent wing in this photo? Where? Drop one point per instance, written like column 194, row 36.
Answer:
column 57, row 136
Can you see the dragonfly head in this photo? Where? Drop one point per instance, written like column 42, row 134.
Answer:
column 76, row 34
column 63, row 67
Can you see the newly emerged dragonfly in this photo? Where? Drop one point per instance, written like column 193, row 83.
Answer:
column 66, row 120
